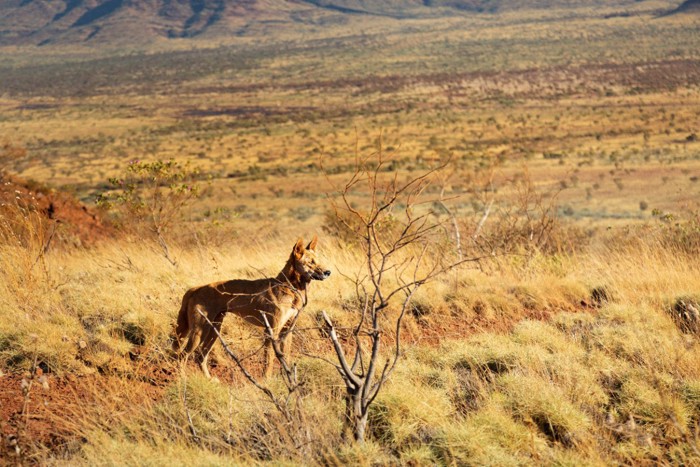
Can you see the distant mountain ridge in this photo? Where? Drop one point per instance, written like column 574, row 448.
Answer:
column 48, row 21
column 689, row 6
column 41, row 22
column 477, row 6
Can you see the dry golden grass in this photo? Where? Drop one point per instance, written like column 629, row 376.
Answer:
column 528, row 367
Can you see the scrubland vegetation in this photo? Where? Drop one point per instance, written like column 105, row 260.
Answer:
column 567, row 192
column 581, row 357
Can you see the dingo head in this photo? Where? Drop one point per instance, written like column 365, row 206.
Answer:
column 306, row 263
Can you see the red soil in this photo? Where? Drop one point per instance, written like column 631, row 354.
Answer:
column 50, row 415
column 75, row 223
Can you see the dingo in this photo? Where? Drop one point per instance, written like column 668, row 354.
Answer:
column 279, row 299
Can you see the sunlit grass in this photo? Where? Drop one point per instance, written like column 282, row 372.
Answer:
column 618, row 383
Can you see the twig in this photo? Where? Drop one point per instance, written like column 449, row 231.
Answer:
column 482, row 221
column 455, row 224
column 344, row 369
column 190, row 424
column 45, row 247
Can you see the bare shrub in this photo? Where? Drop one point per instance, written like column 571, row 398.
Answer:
column 510, row 217
column 682, row 232
column 151, row 197
column 526, row 223
column 677, row 232
column 387, row 218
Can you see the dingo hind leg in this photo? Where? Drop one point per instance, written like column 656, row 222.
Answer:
column 197, row 328
column 210, row 335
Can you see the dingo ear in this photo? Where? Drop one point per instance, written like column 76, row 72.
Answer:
column 312, row 243
column 299, row 248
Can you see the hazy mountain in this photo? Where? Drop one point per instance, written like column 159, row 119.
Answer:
column 413, row 7
column 689, row 6
column 47, row 21
column 43, row 22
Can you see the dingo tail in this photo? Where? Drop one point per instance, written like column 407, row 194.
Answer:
column 182, row 328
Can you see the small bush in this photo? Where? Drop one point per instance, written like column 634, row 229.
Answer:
column 151, row 196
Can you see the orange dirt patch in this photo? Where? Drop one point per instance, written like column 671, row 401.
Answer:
column 48, row 415
column 74, row 222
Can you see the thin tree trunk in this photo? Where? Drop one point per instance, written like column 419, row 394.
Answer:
column 360, row 426
column 356, row 416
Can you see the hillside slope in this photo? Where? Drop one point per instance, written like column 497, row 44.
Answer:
column 417, row 7
column 44, row 22
column 689, row 6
